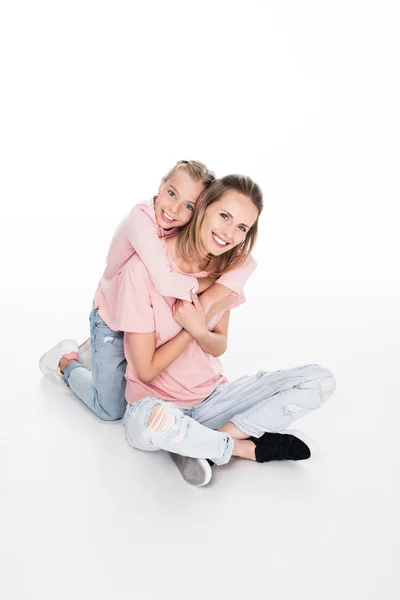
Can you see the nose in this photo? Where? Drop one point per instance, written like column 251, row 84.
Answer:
column 172, row 207
column 227, row 231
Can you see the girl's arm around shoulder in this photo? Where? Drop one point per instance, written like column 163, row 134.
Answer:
column 225, row 291
column 192, row 318
column 215, row 299
column 236, row 280
column 142, row 234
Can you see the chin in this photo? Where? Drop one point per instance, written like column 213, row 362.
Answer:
column 160, row 224
column 215, row 252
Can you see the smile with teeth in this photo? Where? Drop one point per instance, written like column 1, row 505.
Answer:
column 219, row 241
column 167, row 217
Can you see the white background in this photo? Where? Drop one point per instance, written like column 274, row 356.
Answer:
column 98, row 100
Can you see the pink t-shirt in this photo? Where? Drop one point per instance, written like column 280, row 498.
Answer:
column 139, row 233
column 142, row 309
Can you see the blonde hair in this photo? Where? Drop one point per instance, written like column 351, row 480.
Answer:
column 195, row 169
column 189, row 242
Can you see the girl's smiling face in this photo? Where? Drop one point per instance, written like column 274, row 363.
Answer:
column 227, row 221
column 177, row 199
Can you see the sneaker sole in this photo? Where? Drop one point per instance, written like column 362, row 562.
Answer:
column 42, row 360
column 42, row 367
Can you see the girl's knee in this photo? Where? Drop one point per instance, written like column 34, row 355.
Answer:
column 111, row 408
column 111, row 415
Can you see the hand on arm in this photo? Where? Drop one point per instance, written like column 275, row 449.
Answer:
column 216, row 299
column 193, row 319
column 227, row 289
column 190, row 316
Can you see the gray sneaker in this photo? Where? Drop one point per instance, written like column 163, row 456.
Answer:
column 196, row 471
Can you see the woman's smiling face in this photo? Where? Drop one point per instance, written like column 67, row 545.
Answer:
column 227, row 221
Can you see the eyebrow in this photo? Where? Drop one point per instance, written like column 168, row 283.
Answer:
column 228, row 213
column 175, row 190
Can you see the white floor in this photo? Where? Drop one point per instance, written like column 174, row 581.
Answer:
column 85, row 516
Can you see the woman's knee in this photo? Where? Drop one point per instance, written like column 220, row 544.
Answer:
column 153, row 424
column 135, row 420
column 325, row 380
column 166, row 423
column 328, row 385
column 317, row 376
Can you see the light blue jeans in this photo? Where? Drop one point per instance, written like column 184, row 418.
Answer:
column 103, row 388
column 256, row 404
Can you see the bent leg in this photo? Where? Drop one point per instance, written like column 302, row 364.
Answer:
column 152, row 424
column 267, row 401
column 103, row 388
column 277, row 413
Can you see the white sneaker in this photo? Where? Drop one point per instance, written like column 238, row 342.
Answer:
column 85, row 354
column 49, row 361
column 196, row 471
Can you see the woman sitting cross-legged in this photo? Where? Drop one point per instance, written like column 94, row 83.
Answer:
column 178, row 399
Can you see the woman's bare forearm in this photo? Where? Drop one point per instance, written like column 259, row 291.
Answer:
column 216, row 299
column 212, row 342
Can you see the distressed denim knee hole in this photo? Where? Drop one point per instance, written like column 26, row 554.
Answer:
column 167, row 423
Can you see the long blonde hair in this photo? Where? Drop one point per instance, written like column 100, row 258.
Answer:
column 189, row 242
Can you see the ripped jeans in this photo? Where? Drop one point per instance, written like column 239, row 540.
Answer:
column 254, row 404
column 103, row 388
